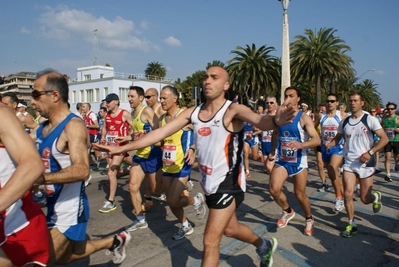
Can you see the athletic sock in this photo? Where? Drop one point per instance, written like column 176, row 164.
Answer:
column 185, row 223
column 308, row 218
column 288, row 210
column 141, row 218
column 115, row 243
column 196, row 201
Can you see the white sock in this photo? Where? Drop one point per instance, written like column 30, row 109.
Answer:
column 141, row 218
column 185, row 223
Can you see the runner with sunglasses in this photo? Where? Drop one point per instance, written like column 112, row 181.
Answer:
column 390, row 123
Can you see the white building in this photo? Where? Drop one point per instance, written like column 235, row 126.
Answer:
column 92, row 84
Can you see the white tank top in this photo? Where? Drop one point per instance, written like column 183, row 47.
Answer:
column 219, row 154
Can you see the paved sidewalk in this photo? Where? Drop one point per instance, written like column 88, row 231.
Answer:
column 376, row 243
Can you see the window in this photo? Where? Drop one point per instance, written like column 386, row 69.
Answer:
column 73, row 96
column 82, row 96
column 87, row 77
column 123, row 92
column 101, row 76
column 89, row 96
column 105, row 92
column 97, row 95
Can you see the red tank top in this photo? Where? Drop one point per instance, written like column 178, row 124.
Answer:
column 116, row 126
column 89, row 121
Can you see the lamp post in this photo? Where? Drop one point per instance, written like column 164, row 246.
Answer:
column 285, row 58
column 365, row 73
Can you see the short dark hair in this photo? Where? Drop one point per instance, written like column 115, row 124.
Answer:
column 391, row 104
column 104, row 108
column 78, row 106
column 356, row 93
column 293, row 88
column 334, row 95
column 13, row 97
column 55, row 81
column 139, row 90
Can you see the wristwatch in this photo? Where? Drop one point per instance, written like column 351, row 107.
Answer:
column 371, row 152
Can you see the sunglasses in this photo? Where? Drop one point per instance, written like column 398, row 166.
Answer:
column 390, row 108
column 331, row 101
column 36, row 94
column 372, row 111
column 149, row 96
column 271, row 103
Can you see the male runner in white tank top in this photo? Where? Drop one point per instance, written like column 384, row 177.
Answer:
column 219, row 118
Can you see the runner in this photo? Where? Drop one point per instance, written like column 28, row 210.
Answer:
column 63, row 143
column 218, row 128
column 23, row 231
column 292, row 161
column 358, row 130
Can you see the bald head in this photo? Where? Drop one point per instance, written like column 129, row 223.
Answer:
column 220, row 71
column 152, row 91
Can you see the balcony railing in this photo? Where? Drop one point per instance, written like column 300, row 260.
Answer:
column 124, row 76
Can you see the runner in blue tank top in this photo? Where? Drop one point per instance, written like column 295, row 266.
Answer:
column 292, row 161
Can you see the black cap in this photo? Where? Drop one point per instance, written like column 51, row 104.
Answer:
column 110, row 97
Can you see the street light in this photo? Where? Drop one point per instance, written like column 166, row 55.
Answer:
column 365, row 73
column 285, row 58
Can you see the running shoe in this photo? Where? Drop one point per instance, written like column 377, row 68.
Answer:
column 119, row 253
column 285, row 218
column 108, row 206
column 189, row 185
column 309, row 227
column 397, row 166
column 377, row 204
column 388, row 177
column 136, row 225
column 183, row 231
column 339, row 204
column 266, row 257
column 350, row 230
column 147, row 205
column 200, row 209
column 324, row 188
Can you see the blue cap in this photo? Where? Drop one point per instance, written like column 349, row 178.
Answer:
column 110, row 97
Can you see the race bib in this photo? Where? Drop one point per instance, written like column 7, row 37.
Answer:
column 169, row 154
column 248, row 135
column 267, row 136
column 390, row 132
column 110, row 138
column 287, row 154
column 329, row 132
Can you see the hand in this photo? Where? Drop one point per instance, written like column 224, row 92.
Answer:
column 365, row 158
column 295, row 145
column 111, row 150
column 284, row 114
column 120, row 139
column 190, row 157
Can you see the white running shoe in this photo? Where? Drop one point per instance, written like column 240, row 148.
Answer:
column 119, row 253
column 339, row 204
column 200, row 209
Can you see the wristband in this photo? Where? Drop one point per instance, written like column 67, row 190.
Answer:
column 193, row 149
column 371, row 152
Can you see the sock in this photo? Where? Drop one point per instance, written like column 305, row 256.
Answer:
column 264, row 245
column 112, row 201
column 115, row 243
column 196, row 201
column 308, row 218
column 352, row 222
column 288, row 210
column 185, row 223
column 148, row 199
column 325, row 184
column 141, row 218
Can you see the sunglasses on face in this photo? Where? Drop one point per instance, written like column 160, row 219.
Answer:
column 331, row 101
column 149, row 96
column 269, row 103
column 36, row 94
column 372, row 111
column 390, row 108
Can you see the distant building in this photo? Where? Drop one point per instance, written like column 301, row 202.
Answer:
column 93, row 83
column 19, row 83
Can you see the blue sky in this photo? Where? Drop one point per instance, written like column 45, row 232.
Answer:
column 185, row 35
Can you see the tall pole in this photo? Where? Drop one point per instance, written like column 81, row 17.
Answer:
column 285, row 58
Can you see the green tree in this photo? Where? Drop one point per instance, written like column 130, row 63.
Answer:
column 155, row 70
column 215, row 63
column 253, row 71
column 186, row 87
column 320, row 57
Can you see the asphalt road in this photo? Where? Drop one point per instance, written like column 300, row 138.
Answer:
column 376, row 243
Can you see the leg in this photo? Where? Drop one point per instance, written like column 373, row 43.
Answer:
column 112, row 175
column 255, row 152
column 4, row 260
column 246, row 150
column 173, row 188
column 277, row 178
column 366, row 185
column 136, row 178
column 387, row 163
column 300, row 180
column 349, row 187
column 320, row 166
column 333, row 174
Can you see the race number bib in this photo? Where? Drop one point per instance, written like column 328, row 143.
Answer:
column 169, row 154
column 390, row 132
column 110, row 138
column 287, row 154
column 329, row 132
column 267, row 136
column 248, row 135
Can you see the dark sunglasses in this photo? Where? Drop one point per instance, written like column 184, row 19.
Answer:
column 390, row 108
column 36, row 94
column 372, row 111
column 331, row 101
column 271, row 103
column 149, row 96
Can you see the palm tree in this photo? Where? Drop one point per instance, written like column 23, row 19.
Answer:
column 254, row 70
column 318, row 56
column 215, row 63
column 155, row 70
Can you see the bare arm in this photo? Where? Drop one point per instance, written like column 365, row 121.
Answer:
column 308, row 125
column 29, row 165
column 152, row 137
column 28, row 122
column 74, row 139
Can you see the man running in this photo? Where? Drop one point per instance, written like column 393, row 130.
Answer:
column 218, row 134
column 358, row 130
column 391, row 127
column 23, row 230
column 292, row 161
column 116, row 124
column 63, row 143
column 178, row 156
column 333, row 156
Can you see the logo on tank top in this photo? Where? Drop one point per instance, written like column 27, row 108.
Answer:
column 286, row 133
column 204, row 131
column 216, row 123
column 46, row 153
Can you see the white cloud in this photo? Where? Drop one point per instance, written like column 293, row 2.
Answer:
column 144, row 25
column 24, row 30
column 63, row 23
column 380, row 72
column 172, row 41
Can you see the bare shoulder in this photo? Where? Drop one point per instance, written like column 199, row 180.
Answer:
column 75, row 126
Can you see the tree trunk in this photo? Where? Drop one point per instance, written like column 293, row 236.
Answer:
column 332, row 85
